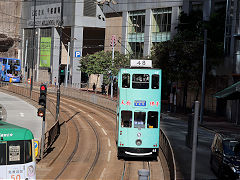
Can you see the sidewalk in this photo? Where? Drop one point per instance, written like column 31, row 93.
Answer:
column 175, row 126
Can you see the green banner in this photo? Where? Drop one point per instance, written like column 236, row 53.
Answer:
column 45, row 52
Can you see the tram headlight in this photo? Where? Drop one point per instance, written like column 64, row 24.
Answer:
column 139, row 134
column 30, row 171
column 138, row 142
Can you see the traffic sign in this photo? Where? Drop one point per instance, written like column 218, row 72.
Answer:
column 77, row 53
column 36, row 143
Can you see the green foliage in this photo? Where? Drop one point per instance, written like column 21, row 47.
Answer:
column 101, row 63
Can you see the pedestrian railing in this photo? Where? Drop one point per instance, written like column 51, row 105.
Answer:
column 102, row 101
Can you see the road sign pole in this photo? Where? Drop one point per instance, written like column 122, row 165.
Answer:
column 113, row 44
column 194, row 146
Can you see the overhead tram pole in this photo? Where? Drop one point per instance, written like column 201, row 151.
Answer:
column 60, row 61
column 33, row 51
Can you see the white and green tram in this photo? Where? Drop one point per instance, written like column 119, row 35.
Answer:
column 138, row 111
column 17, row 153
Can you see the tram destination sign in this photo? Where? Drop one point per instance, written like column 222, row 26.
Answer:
column 141, row 63
column 139, row 103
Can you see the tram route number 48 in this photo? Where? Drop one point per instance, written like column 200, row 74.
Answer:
column 141, row 63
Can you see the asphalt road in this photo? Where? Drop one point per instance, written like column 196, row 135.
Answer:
column 176, row 130
column 22, row 114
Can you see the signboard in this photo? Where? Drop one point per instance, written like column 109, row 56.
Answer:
column 36, row 144
column 139, row 103
column 45, row 52
column 77, row 53
column 141, row 63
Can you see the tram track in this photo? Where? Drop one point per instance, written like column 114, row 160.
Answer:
column 77, row 143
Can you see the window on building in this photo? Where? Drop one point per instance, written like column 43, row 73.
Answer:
column 139, row 119
column 126, row 119
column 51, row 10
column 55, row 10
column 161, row 24
column 136, row 21
column 125, row 80
column 140, row 81
column 136, row 26
column 136, row 48
column 59, row 10
column 152, row 120
column 155, row 81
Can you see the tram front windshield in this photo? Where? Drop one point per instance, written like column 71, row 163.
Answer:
column 15, row 152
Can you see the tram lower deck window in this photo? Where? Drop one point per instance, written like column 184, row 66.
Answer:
column 152, row 120
column 139, row 119
column 126, row 119
column 140, row 81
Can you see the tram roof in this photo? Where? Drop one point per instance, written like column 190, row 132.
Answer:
column 11, row 132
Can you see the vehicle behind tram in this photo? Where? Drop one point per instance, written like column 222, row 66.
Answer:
column 138, row 111
column 17, row 153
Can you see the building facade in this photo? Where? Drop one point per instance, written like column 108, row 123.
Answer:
column 83, row 32
column 139, row 25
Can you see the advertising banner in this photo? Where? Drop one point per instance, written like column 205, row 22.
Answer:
column 45, row 52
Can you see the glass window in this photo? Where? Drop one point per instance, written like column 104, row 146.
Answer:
column 28, row 151
column 140, row 81
column 2, row 153
column 139, row 119
column 126, row 118
column 4, row 61
column 51, row 10
column 125, row 80
column 152, row 120
column 231, row 148
column 15, row 154
column 59, row 10
column 155, row 81
column 55, row 10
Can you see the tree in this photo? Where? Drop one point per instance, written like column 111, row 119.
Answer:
column 101, row 63
column 181, row 57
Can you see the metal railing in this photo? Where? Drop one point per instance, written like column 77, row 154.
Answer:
column 96, row 99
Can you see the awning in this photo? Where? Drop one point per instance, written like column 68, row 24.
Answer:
column 229, row 93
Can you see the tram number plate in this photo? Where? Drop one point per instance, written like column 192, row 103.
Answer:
column 139, row 103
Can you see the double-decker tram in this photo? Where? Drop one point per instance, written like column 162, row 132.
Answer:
column 10, row 70
column 138, row 111
column 17, row 157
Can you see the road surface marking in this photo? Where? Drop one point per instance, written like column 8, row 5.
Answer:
column 104, row 131
column 21, row 114
column 109, row 156
column 97, row 123
column 76, row 107
column 102, row 173
column 109, row 144
column 90, row 116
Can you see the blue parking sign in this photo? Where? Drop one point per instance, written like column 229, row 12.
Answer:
column 77, row 53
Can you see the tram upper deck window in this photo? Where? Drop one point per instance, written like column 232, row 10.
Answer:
column 15, row 154
column 2, row 153
column 140, row 81
column 126, row 119
column 28, row 151
column 139, row 119
column 125, row 80
column 152, row 120
column 155, row 81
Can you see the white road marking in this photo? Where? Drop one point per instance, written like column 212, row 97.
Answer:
column 109, row 156
column 76, row 107
column 104, row 131
column 21, row 114
column 90, row 116
column 109, row 144
column 97, row 123
column 102, row 173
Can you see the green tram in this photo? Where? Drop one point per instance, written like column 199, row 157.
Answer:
column 17, row 153
column 138, row 111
